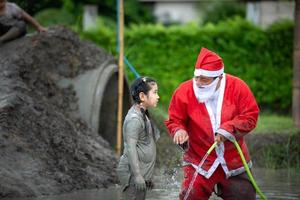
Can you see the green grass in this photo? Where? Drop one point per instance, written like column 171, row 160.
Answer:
column 272, row 123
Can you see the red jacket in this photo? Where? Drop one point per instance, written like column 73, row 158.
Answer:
column 237, row 114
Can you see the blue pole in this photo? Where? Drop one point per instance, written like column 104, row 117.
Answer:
column 128, row 64
column 136, row 74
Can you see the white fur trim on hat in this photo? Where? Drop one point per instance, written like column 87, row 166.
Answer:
column 208, row 73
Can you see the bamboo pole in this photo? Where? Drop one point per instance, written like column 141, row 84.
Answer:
column 120, row 77
column 296, row 81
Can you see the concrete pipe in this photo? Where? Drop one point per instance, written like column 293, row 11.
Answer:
column 97, row 93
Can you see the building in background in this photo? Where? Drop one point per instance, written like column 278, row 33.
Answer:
column 90, row 14
column 261, row 13
column 174, row 11
column 264, row 13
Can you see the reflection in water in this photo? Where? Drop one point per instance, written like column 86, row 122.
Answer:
column 276, row 184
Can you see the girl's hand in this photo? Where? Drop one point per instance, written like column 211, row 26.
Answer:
column 140, row 183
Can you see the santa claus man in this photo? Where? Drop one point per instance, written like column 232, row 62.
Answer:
column 213, row 106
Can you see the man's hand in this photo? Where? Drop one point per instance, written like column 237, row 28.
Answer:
column 139, row 183
column 220, row 138
column 180, row 136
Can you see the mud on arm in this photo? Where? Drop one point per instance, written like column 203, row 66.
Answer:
column 131, row 134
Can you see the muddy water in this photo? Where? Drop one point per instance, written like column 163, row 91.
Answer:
column 276, row 184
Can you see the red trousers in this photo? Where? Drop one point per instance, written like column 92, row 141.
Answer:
column 236, row 187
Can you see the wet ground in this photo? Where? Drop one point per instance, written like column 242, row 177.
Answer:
column 275, row 184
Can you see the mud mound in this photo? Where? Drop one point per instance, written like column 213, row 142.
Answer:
column 45, row 148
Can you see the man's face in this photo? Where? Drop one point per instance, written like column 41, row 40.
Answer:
column 2, row 3
column 203, row 80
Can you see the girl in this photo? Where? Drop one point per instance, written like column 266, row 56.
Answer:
column 136, row 165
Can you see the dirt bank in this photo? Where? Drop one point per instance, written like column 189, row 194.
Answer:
column 275, row 150
column 45, row 148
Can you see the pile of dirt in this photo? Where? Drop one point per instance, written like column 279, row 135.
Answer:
column 45, row 147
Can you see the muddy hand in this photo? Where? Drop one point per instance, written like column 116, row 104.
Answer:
column 140, row 183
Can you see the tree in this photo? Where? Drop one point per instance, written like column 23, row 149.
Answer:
column 135, row 11
column 32, row 6
column 222, row 10
column 296, row 80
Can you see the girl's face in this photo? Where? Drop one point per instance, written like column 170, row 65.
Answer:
column 150, row 100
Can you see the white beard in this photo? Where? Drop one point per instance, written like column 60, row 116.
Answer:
column 205, row 93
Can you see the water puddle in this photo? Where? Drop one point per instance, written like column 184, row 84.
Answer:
column 275, row 184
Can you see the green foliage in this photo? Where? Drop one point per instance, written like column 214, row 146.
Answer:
column 32, row 6
column 104, row 34
column 135, row 12
column 55, row 16
column 68, row 5
column 263, row 58
column 222, row 10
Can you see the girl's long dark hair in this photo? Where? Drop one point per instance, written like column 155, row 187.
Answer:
column 141, row 84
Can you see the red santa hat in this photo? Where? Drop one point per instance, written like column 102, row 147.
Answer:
column 208, row 64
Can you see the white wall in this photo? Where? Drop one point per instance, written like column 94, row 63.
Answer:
column 90, row 17
column 181, row 12
column 265, row 13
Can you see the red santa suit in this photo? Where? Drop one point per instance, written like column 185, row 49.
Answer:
column 231, row 111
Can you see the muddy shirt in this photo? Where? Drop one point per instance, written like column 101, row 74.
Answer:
column 146, row 133
column 12, row 10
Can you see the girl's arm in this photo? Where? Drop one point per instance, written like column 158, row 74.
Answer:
column 132, row 130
